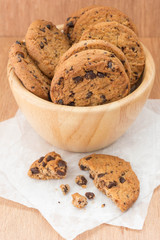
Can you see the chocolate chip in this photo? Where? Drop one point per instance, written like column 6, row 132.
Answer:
column 33, row 87
column 18, row 42
column 109, row 64
column 87, row 158
column 133, row 49
column 91, row 176
column 21, row 55
column 122, row 48
column 104, row 100
column 112, row 184
column 56, row 33
column 49, row 158
column 90, row 75
column 62, row 163
column 85, row 43
column 41, row 45
column 70, row 24
column 122, row 179
column 48, row 26
column 72, row 94
column 68, row 18
column 42, row 29
column 71, row 103
column 68, row 35
column 60, row 101
column 135, row 73
column 59, row 202
column 45, row 40
column 90, row 195
column 78, row 79
column 82, row 167
column 138, row 44
column 35, row 170
column 44, row 164
column 111, row 171
column 112, row 55
column 123, row 62
column 60, row 173
column 35, row 76
column 101, row 75
column 60, row 80
column 101, row 175
column 41, row 159
column 89, row 94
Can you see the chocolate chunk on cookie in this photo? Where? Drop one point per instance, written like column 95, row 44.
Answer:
column 79, row 201
column 28, row 72
column 125, row 39
column 114, row 177
column 49, row 167
column 90, row 78
column 97, row 44
column 65, row 188
column 98, row 15
column 81, row 181
column 45, row 44
column 71, row 21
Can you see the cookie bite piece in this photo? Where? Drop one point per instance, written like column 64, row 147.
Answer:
column 98, row 15
column 97, row 44
column 65, row 188
column 89, row 78
column 45, row 44
column 28, row 72
column 79, row 201
column 51, row 166
column 81, row 181
column 114, row 177
column 123, row 38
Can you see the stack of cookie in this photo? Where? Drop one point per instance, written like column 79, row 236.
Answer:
column 97, row 59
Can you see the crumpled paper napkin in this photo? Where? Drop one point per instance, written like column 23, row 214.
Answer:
column 20, row 145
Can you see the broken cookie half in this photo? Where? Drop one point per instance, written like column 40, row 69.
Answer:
column 49, row 167
column 114, row 177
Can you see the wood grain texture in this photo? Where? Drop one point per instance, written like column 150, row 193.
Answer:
column 15, row 16
column 29, row 223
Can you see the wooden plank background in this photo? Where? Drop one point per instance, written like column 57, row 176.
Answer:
column 16, row 15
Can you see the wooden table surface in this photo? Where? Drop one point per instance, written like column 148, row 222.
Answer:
column 20, row 222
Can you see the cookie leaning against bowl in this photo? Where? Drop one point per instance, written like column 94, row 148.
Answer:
column 28, row 72
column 45, row 44
column 89, row 78
column 71, row 21
column 125, row 39
column 97, row 44
column 114, row 177
column 97, row 15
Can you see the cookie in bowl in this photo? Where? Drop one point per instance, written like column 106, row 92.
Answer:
column 45, row 44
column 89, row 78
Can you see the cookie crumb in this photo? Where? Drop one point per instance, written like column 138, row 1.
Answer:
column 81, row 181
column 103, row 205
column 65, row 188
column 90, row 195
column 79, row 201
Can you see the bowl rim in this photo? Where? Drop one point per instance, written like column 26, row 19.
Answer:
column 147, row 80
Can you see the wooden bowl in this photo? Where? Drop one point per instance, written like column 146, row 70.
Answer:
column 82, row 129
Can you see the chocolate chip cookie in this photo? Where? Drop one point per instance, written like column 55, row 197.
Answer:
column 97, row 15
column 114, row 177
column 49, row 167
column 79, row 201
column 125, row 39
column 89, row 78
column 97, row 44
column 45, row 44
column 28, row 72
column 71, row 21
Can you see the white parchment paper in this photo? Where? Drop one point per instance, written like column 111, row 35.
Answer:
column 20, row 146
